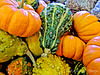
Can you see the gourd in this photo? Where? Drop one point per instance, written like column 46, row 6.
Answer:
column 91, row 56
column 56, row 19
column 34, row 44
column 20, row 66
column 86, row 25
column 10, row 20
column 1, row 73
column 11, row 45
column 51, row 65
column 79, row 69
column 71, row 47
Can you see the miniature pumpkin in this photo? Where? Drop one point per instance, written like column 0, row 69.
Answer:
column 71, row 47
column 86, row 25
column 41, row 6
column 91, row 56
column 18, row 21
column 38, row 5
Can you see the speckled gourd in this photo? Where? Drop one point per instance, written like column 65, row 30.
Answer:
column 51, row 65
column 10, row 45
column 56, row 19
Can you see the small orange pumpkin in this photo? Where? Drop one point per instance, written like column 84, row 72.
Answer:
column 41, row 6
column 86, row 25
column 71, row 47
column 21, row 22
column 91, row 56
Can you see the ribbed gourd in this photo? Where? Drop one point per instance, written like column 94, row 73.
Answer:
column 51, row 65
column 56, row 19
column 20, row 66
column 10, row 45
column 79, row 69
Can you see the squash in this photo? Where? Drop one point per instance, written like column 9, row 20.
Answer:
column 20, row 66
column 86, row 25
column 79, row 69
column 71, row 47
column 41, row 6
column 91, row 56
column 34, row 44
column 38, row 5
column 56, row 19
column 10, row 20
column 1, row 73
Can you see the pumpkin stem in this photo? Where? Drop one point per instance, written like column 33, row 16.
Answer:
column 22, row 4
column 31, row 57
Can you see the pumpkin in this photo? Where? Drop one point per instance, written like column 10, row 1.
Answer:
column 41, row 6
column 71, row 47
column 86, row 25
column 56, row 19
column 10, row 20
column 20, row 66
column 91, row 56
column 38, row 5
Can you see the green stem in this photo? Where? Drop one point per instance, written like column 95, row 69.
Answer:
column 22, row 4
column 31, row 57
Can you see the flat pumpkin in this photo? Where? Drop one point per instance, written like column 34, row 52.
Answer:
column 21, row 22
column 86, row 25
column 71, row 47
column 91, row 56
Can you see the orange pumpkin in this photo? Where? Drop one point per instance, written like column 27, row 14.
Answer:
column 71, row 47
column 91, row 56
column 21, row 22
column 41, row 6
column 86, row 25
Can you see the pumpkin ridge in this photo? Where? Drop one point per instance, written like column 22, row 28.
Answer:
column 88, row 27
column 85, row 56
column 8, row 19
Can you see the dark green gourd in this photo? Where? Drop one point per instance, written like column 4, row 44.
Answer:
column 80, row 69
column 56, row 19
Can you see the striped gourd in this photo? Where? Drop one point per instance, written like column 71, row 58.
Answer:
column 80, row 69
column 56, row 19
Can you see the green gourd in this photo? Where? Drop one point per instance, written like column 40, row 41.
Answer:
column 56, row 19
column 79, row 69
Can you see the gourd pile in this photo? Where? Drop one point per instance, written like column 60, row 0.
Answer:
column 43, row 38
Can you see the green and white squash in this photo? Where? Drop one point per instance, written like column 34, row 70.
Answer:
column 79, row 69
column 56, row 19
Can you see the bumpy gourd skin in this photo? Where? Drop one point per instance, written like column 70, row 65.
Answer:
column 51, row 65
column 56, row 19
column 10, row 45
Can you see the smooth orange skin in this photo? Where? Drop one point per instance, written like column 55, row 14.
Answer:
column 60, row 47
column 86, row 25
column 21, row 22
column 91, row 56
column 71, row 47
column 41, row 6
